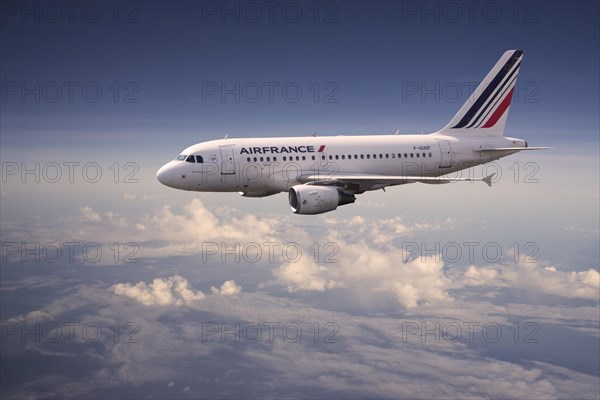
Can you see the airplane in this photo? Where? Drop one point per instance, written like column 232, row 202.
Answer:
column 321, row 173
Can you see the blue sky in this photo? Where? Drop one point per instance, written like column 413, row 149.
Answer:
column 370, row 63
column 361, row 68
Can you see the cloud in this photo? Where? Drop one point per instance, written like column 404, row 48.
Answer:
column 32, row 317
column 362, row 256
column 228, row 288
column 365, row 268
column 480, row 276
column 374, row 265
column 304, row 274
column 537, row 277
column 173, row 291
column 89, row 214
column 368, row 358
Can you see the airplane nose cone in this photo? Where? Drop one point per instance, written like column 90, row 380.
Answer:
column 162, row 175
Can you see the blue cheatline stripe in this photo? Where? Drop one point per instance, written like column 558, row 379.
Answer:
column 489, row 90
column 494, row 98
column 506, row 90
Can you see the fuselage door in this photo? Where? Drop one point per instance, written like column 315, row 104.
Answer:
column 227, row 160
column 446, row 151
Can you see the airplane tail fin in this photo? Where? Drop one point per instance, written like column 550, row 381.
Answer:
column 486, row 110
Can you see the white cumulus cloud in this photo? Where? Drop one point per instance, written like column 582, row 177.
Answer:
column 227, row 288
column 89, row 214
column 172, row 291
column 364, row 268
column 534, row 276
column 304, row 274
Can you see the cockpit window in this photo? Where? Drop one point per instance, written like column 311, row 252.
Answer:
column 199, row 159
column 181, row 157
column 190, row 159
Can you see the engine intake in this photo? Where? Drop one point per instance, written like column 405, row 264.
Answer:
column 309, row 199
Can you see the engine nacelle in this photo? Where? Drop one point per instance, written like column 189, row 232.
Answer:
column 263, row 193
column 310, row 199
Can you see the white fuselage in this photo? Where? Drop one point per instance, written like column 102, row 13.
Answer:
column 263, row 166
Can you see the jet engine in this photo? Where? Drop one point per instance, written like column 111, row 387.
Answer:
column 310, row 199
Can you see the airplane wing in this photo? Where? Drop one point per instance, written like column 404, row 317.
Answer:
column 380, row 181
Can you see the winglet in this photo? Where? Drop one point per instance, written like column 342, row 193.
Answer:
column 488, row 179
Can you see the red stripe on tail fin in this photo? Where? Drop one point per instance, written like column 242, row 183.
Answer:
column 500, row 110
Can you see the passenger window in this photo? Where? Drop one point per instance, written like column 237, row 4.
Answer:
column 387, row 156
column 393, row 155
column 337, row 157
column 343, row 156
column 303, row 158
column 356, row 156
column 255, row 159
column 418, row 155
column 268, row 158
column 405, row 155
column 368, row 156
column 429, row 155
column 297, row 158
column 380, row 155
column 313, row 157
column 190, row 159
column 248, row 159
column 423, row 155
column 261, row 159
column 362, row 156
column 411, row 155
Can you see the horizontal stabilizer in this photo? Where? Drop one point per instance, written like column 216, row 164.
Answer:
column 512, row 149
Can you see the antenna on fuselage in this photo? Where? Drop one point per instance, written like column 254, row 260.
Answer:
column 397, row 132
column 313, row 134
column 226, row 136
